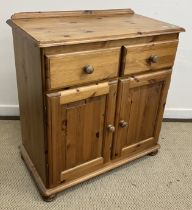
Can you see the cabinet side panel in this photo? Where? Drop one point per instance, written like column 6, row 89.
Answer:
column 29, row 82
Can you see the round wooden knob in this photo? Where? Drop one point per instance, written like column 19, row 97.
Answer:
column 88, row 69
column 123, row 124
column 111, row 128
column 153, row 59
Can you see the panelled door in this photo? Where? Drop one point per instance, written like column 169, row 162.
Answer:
column 80, row 130
column 140, row 106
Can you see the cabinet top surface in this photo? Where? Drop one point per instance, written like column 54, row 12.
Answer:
column 62, row 28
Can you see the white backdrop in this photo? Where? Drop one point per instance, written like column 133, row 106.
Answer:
column 179, row 104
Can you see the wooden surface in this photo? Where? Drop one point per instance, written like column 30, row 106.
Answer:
column 137, row 57
column 68, row 69
column 74, row 172
column 110, row 120
column 62, row 49
column 29, row 83
column 55, row 139
column 24, row 15
column 84, row 135
column 139, row 104
column 77, row 130
column 81, row 93
column 52, row 31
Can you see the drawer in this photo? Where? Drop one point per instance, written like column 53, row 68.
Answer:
column 148, row 57
column 81, row 67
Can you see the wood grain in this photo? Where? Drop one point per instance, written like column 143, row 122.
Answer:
column 149, row 78
column 29, row 84
column 49, row 14
column 75, row 171
column 137, row 147
column 140, row 105
column 123, row 106
column 62, row 49
column 54, row 31
column 56, row 140
column 77, row 130
column 68, row 69
column 109, row 120
column 81, row 93
column 162, row 106
column 137, row 57
column 85, row 135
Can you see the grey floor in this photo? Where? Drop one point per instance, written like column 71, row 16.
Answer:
column 160, row 182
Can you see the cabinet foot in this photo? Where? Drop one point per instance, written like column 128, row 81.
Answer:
column 153, row 153
column 49, row 198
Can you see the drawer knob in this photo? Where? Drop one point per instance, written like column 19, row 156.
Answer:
column 88, row 69
column 123, row 124
column 111, row 128
column 153, row 59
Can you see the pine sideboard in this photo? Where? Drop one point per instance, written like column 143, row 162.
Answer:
column 92, row 88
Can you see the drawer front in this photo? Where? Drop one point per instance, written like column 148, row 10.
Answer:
column 148, row 57
column 81, row 67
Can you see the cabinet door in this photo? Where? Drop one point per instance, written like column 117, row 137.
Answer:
column 80, row 130
column 141, row 102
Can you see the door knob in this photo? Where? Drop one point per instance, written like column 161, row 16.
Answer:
column 88, row 69
column 153, row 59
column 123, row 124
column 111, row 128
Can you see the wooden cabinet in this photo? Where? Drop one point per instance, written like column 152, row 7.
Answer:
column 92, row 89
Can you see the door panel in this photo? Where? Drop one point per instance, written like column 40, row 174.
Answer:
column 144, row 106
column 141, row 102
column 78, row 136
column 84, row 132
